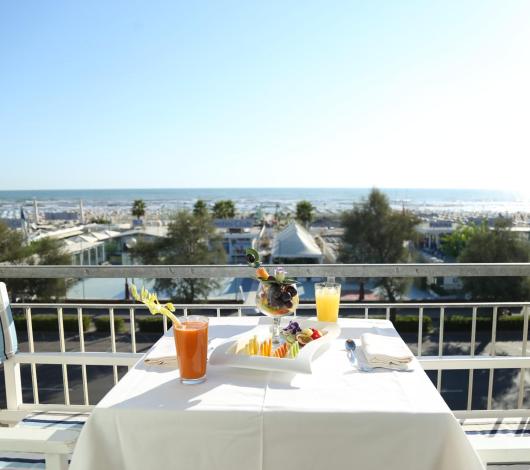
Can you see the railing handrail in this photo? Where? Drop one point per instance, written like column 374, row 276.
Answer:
column 309, row 305
column 411, row 270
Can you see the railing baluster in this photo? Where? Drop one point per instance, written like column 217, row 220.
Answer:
column 472, row 353
column 185, row 312
column 113, row 342
column 218, row 313
column 164, row 323
column 31, row 344
column 63, row 349
column 366, row 313
column 492, row 353
column 440, row 348
column 239, row 312
column 82, row 349
column 388, row 313
column 133, row 329
column 420, row 331
column 520, row 398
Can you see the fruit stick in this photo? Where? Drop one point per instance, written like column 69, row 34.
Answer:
column 294, row 350
column 269, row 347
column 255, row 342
column 262, row 273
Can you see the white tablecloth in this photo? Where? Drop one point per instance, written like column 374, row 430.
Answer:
column 240, row 419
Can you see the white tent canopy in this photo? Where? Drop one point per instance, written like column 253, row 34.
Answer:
column 295, row 242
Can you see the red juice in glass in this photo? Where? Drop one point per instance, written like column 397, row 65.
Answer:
column 191, row 342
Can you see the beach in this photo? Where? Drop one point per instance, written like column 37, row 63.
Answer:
column 115, row 204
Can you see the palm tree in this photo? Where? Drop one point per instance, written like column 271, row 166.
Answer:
column 200, row 208
column 138, row 208
column 225, row 209
column 304, row 212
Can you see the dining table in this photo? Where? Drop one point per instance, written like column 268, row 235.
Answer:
column 337, row 417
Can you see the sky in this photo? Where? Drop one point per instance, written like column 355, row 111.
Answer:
column 125, row 94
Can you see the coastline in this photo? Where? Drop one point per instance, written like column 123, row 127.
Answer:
column 449, row 204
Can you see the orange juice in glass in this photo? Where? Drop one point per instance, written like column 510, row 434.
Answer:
column 191, row 341
column 327, row 296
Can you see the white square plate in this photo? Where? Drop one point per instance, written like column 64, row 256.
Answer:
column 223, row 354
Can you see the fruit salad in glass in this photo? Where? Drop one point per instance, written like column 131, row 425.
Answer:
column 277, row 295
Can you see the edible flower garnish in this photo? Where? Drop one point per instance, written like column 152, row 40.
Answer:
column 279, row 274
column 150, row 300
column 292, row 334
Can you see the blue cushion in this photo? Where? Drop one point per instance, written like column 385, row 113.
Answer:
column 491, row 427
column 8, row 334
column 22, row 461
column 55, row 420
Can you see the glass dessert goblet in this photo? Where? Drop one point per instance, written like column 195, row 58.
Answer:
column 276, row 300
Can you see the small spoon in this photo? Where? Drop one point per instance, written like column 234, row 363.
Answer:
column 350, row 345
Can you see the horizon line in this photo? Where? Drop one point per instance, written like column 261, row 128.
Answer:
column 268, row 187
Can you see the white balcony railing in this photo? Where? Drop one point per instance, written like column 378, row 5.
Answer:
column 436, row 360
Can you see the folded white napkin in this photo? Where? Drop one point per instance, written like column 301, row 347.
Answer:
column 381, row 351
column 365, row 366
column 165, row 355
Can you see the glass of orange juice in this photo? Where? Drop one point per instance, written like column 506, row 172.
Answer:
column 191, row 341
column 327, row 296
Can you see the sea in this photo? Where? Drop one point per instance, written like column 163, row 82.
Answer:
column 326, row 200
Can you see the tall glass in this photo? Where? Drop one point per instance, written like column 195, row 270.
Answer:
column 327, row 296
column 191, row 341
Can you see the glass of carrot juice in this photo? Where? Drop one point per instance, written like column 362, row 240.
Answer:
column 191, row 341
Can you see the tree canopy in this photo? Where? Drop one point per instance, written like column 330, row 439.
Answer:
column 224, row 209
column 497, row 245
column 374, row 233
column 191, row 239
column 46, row 251
column 11, row 244
column 454, row 243
column 138, row 208
column 304, row 212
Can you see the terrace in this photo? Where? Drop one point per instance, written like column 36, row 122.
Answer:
column 481, row 371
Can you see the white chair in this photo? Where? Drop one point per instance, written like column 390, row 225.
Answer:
column 38, row 440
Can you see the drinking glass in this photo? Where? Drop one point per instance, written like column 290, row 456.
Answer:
column 327, row 296
column 191, row 341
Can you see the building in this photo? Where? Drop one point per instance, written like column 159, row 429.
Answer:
column 238, row 235
column 431, row 233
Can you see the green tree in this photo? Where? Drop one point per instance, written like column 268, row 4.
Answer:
column 200, row 208
column 100, row 220
column 11, row 244
column 191, row 239
column 497, row 245
column 138, row 208
column 454, row 243
column 224, row 209
column 304, row 212
column 374, row 233
column 46, row 251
